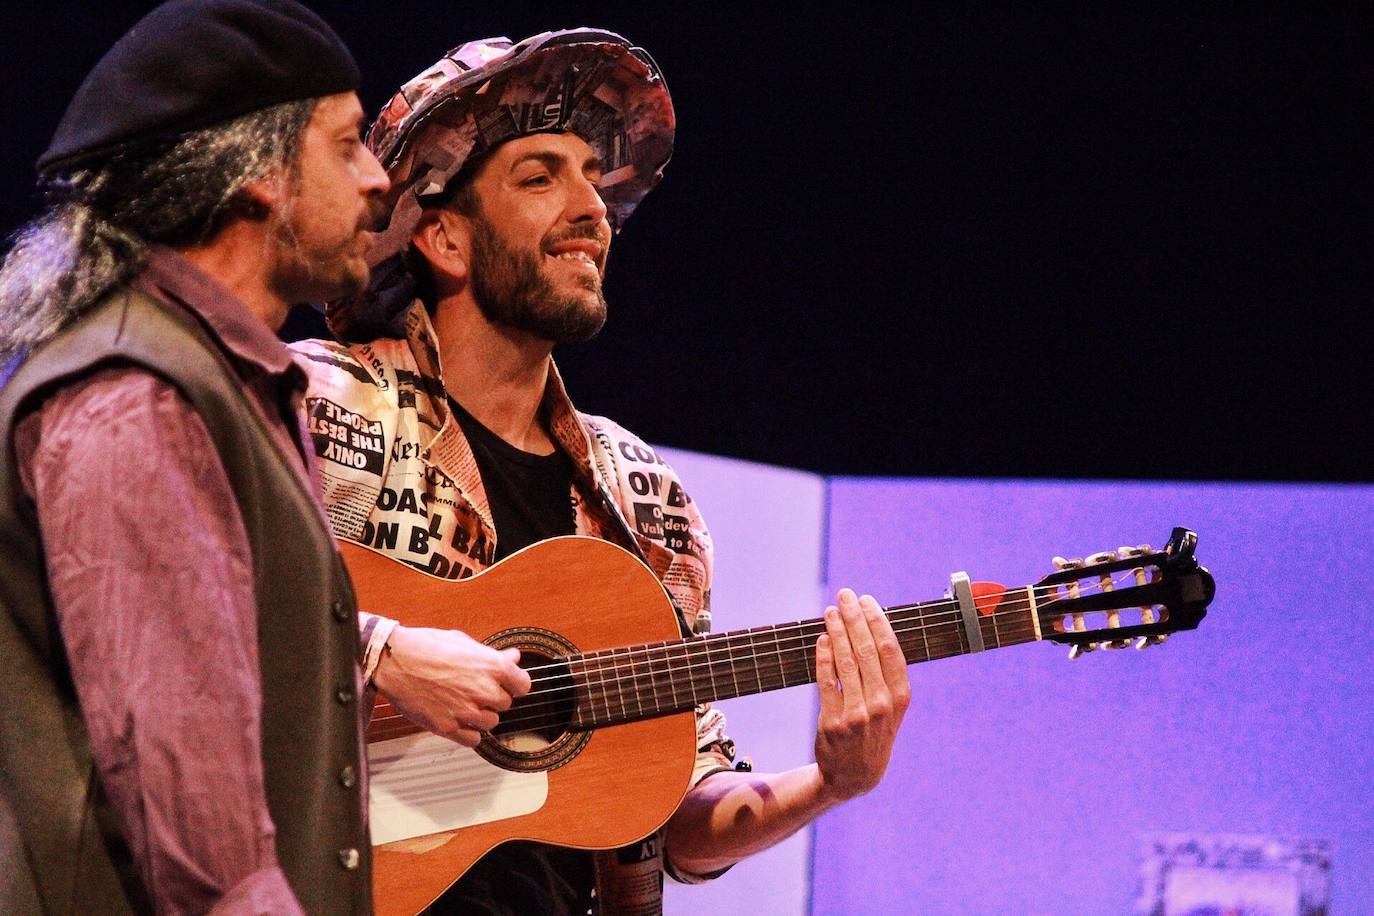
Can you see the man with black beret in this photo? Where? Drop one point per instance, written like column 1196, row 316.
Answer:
column 179, row 688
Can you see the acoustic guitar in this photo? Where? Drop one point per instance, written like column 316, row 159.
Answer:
column 600, row 752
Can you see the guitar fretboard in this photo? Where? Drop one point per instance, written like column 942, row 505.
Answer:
column 640, row 682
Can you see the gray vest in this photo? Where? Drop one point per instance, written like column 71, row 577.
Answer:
column 60, row 850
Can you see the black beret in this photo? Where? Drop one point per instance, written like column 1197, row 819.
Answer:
column 192, row 63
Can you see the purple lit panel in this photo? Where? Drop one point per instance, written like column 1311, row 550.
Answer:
column 1023, row 782
column 768, row 524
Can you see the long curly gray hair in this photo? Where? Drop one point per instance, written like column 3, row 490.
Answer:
column 95, row 233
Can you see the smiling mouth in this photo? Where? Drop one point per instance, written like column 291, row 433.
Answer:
column 579, row 256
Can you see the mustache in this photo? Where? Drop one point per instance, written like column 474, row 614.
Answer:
column 593, row 231
column 376, row 217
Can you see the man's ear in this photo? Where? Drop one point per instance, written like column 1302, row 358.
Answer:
column 262, row 196
column 444, row 239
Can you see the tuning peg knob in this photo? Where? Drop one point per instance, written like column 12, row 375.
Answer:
column 1080, row 649
column 1106, row 584
column 1073, row 621
column 1147, row 613
column 1158, row 639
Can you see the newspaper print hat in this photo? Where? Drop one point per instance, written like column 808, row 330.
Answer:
column 585, row 81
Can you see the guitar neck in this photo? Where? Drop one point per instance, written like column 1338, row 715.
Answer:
column 640, row 682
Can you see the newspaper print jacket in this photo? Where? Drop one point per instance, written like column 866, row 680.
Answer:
column 398, row 476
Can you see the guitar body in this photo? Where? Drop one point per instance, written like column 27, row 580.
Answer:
column 597, row 789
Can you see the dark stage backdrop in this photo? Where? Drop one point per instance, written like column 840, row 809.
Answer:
column 1010, row 241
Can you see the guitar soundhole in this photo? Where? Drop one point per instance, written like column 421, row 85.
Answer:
column 543, row 714
column 534, row 734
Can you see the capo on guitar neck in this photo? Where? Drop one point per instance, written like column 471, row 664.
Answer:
column 975, row 599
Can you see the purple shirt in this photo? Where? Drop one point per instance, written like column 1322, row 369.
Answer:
column 152, row 583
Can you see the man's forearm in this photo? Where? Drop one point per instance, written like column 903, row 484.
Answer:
column 864, row 693
column 729, row 816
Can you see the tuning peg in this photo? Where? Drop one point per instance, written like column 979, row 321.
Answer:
column 1147, row 613
column 1077, row 624
column 1105, row 581
column 1080, row 649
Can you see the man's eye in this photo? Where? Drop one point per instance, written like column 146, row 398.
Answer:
column 536, row 180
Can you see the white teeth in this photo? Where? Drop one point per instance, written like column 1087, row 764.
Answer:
column 575, row 256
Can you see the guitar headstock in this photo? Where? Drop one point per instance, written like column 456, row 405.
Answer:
column 1130, row 596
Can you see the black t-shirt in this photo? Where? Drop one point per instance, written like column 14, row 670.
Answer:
column 531, row 500
column 530, row 495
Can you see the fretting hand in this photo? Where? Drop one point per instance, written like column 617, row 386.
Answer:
column 865, row 692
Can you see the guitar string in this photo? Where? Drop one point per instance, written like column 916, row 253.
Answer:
column 662, row 691
column 796, row 644
column 720, row 646
column 946, row 605
column 660, row 694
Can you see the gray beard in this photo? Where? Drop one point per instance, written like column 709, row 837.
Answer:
column 511, row 290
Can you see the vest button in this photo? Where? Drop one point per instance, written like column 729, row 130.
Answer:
column 349, row 858
column 345, row 694
column 348, row 777
column 338, row 610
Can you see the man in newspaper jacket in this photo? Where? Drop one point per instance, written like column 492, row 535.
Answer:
column 447, row 440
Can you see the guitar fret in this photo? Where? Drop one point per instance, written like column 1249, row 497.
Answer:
column 775, row 673
column 670, row 675
column 590, row 715
column 580, row 668
column 655, row 676
column 617, row 683
column 1034, row 610
column 605, row 690
column 649, row 677
column 620, row 683
column 634, row 679
column 673, row 665
column 808, row 658
column 949, row 640
column 678, row 661
column 780, row 659
column 961, row 642
column 613, row 695
column 712, row 666
column 719, row 670
column 641, row 674
column 758, row 686
column 668, row 664
column 692, row 668
column 730, row 657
